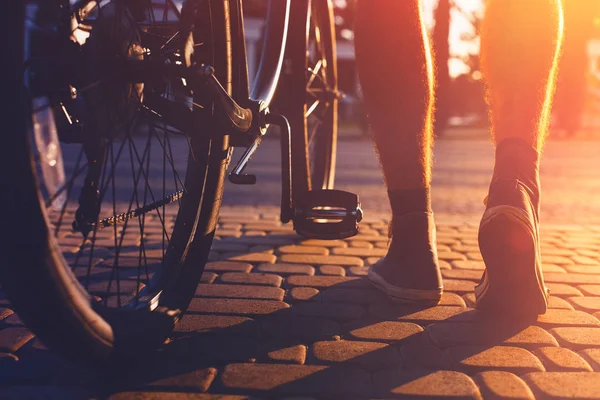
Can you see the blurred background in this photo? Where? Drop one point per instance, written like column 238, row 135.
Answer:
column 454, row 27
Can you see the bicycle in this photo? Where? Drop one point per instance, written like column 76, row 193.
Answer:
column 99, row 276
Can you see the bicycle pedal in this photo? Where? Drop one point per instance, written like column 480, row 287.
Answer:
column 328, row 214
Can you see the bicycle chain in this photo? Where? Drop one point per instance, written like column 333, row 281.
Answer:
column 115, row 219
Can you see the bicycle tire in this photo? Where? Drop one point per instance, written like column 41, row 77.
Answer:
column 314, row 142
column 43, row 289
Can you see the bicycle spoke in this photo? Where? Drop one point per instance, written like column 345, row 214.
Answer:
column 160, row 217
column 174, row 180
column 169, row 158
column 68, row 194
column 119, row 245
column 314, row 72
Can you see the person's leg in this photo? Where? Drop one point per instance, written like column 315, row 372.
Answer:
column 520, row 49
column 396, row 71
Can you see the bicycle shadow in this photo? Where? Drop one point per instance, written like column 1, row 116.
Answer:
column 261, row 356
column 346, row 342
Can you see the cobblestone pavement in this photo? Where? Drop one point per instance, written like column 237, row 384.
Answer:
column 279, row 316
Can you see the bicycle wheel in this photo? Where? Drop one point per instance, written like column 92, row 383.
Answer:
column 142, row 188
column 312, row 106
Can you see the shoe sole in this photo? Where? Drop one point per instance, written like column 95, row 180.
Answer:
column 512, row 283
column 405, row 295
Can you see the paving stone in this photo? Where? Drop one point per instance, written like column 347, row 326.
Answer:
column 262, row 248
column 303, row 249
column 451, row 256
column 250, row 257
column 13, row 321
column 562, row 385
column 303, row 294
column 13, row 338
column 208, row 277
column 297, row 380
column 226, row 216
column 459, row 286
column 369, row 238
column 558, row 303
column 418, row 352
column 235, row 306
column 461, row 248
column 583, row 260
column 332, row 270
column 324, row 243
column 355, row 296
column 297, row 327
column 489, row 333
column 255, row 233
column 502, row 385
column 228, row 247
column 231, row 325
column 553, row 318
column 192, row 380
column 474, row 256
column 262, row 226
column 322, row 260
column 592, row 356
column 359, row 252
column 560, row 260
column 335, row 311
column 468, row 264
column 381, row 331
column 5, row 312
column 371, row 356
column 577, row 338
column 366, row 245
column 559, row 359
column 462, row 274
column 556, row 251
column 286, row 269
column 562, row 290
column 370, row 261
column 473, row 359
column 357, row 271
column 587, row 304
column 251, row 279
column 223, row 232
column 583, row 269
column 281, row 352
column 230, row 225
column 590, row 290
column 449, row 241
column 240, row 292
column 588, row 253
column 451, row 299
column 573, row 279
column 546, row 268
column 324, row 281
column 228, row 266
column 424, row 383
column 270, row 240
column 422, row 316
column 215, row 349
